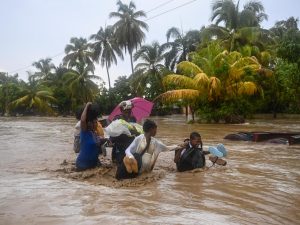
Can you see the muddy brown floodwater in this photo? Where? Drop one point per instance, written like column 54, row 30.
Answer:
column 260, row 184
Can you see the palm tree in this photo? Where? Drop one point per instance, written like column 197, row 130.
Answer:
column 45, row 68
column 228, row 12
column 241, row 27
column 180, row 46
column 194, row 84
column 150, row 70
column 282, row 27
column 35, row 97
column 78, row 51
column 105, row 48
column 128, row 28
column 80, row 84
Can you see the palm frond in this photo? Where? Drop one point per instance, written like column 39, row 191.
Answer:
column 188, row 68
column 201, row 79
column 179, row 81
column 247, row 88
column 179, row 95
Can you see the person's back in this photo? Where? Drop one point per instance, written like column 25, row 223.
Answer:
column 89, row 151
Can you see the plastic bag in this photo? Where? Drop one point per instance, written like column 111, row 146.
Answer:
column 116, row 128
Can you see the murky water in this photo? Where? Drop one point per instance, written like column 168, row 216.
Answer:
column 260, row 184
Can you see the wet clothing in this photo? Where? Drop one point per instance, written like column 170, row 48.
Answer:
column 146, row 156
column 89, row 151
column 76, row 145
column 122, row 173
column 122, row 141
column 131, row 119
column 99, row 132
column 190, row 158
column 150, row 156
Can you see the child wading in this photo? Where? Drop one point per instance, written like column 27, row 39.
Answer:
column 193, row 156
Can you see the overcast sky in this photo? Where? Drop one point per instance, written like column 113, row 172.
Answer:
column 36, row 29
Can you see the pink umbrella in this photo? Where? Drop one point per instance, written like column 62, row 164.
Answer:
column 141, row 109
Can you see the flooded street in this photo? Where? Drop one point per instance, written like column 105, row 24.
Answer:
column 259, row 185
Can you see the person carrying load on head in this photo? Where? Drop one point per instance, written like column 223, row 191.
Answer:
column 123, row 140
column 126, row 114
column 192, row 155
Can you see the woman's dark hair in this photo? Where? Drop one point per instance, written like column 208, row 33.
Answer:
column 92, row 112
column 78, row 113
column 148, row 124
column 195, row 135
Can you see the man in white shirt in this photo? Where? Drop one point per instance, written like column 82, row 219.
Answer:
column 142, row 153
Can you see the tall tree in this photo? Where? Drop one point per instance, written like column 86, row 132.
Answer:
column 129, row 30
column 150, row 68
column 35, row 97
column 9, row 90
column 105, row 48
column 78, row 52
column 180, row 45
column 45, row 67
column 227, row 11
column 79, row 81
column 227, row 76
column 242, row 28
column 288, row 36
column 281, row 27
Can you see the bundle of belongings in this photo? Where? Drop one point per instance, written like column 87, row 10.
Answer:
column 121, row 134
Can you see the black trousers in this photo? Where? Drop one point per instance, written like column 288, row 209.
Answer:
column 122, row 172
column 121, row 143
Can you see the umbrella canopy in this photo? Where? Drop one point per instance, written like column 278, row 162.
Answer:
column 141, row 109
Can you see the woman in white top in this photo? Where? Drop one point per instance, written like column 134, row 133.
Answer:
column 142, row 153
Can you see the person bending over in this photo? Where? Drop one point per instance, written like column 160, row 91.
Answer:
column 142, row 153
column 121, row 142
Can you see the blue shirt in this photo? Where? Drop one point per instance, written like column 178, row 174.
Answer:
column 89, row 152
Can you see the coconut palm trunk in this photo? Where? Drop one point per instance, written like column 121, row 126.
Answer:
column 108, row 77
column 131, row 61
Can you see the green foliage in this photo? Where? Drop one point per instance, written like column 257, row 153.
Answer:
column 223, row 73
column 147, row 80
column 289, row 77
column 129, row 30
column 78, row 52
column 228, row 12
column 80, row 84
column 35, row 97
column 105, row 48
column 180, row 46
column 289, row 47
